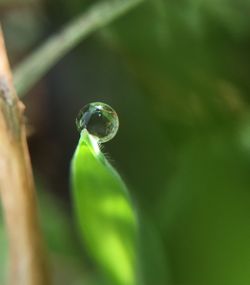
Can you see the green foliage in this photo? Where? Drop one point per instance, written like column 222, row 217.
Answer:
column 67, row 264
column 205, row 213
column 104, row 211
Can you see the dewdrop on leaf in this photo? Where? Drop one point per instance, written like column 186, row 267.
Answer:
column 99, row 119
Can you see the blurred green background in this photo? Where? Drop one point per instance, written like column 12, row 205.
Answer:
column 177, row 73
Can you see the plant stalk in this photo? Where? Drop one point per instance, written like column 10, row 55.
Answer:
column 37, row 64
column 28, row 264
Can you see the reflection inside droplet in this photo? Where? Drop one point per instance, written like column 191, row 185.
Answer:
column 99, row 119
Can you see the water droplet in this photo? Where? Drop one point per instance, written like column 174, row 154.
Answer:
column 100, row 120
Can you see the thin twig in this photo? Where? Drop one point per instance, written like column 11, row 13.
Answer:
column 27, row 258
column 36, row 65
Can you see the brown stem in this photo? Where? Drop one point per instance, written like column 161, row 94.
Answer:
column 27, row 258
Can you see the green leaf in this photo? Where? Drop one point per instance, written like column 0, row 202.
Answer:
column 104, row 212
